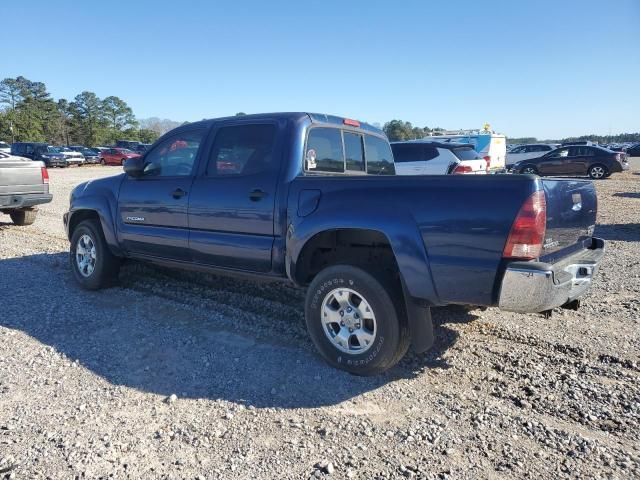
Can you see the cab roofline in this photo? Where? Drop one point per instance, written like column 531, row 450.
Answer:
column 316, row 118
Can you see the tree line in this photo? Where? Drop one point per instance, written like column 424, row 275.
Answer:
column 29, row 113
column 399, row 130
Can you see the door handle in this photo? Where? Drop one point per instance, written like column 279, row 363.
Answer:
column 178, row 193
column 257, row 195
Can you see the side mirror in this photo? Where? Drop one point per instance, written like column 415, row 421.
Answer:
column 134, row 167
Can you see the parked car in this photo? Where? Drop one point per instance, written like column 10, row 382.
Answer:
column 91, row 156
column 42, row 152
column 5, row 147
column 24, row 184
column 313, row 199
column 141, row 148
column 422, row 157
column 116, row 156
column 576, row 160
column 71, row 156
column 491, row 146
column 634, row 151
column 533, row 150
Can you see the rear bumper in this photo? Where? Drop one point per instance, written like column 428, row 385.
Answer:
column 11, row 202
column 532, row 287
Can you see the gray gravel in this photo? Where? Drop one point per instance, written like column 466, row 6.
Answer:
column 183, row 375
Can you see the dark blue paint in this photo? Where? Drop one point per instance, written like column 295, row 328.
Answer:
column 447, row 232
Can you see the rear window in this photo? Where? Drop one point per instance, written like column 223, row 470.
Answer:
column 353, row 151
column 466, row 154
column 324, row 150
column 332, row 150
column 379, row 156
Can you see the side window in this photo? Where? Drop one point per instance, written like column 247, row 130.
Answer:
column 581, row 152
column 353, row 151
column 518, row 150
column 324, row 150
column 28, row 149
column 560, row 153
column 404, row 153
column 379, row 156
column 243, row 150
column 429, row 153
column 174, row 156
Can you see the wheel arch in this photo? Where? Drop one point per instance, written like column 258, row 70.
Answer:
column 102, row 214
column 363, row 247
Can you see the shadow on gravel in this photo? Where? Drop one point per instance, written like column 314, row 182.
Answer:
column 627, row 194
column 166, row 344
column 628, row 232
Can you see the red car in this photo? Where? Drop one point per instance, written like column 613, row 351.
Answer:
column 116, row 156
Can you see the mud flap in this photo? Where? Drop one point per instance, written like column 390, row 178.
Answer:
column 420, row 326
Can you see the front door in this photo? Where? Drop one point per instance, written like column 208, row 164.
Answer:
column 152, row 209
column 232, row 201
column 554, row 163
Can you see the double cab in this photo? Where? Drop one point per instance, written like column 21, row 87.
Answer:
column 314, row 200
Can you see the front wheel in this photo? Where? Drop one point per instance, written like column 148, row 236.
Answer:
column 354, row 322
column 598, row 172
column 529, row 170
column 92, row 263
column 102, row 162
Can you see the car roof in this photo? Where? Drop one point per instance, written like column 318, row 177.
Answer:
column 316, row 118
column 448, row 146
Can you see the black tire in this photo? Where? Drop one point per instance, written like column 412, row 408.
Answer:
column 107, row 265
column 529, row 170
column 102, row 162
column 598, row 172
column 385, row 299
column 122, row 161
column 25, row 216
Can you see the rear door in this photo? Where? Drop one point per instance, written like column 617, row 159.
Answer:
column 152, row 209
column 580, row 158
column 232, row 202
column 407, row 158
column 418, row 159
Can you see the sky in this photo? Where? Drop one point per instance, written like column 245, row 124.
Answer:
column 548, row 69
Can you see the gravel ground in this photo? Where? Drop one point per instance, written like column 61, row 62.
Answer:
column 182, row 375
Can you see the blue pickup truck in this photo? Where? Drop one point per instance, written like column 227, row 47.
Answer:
column 313, row 199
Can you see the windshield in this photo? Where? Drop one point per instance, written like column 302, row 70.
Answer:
column 4, row 145
column 52, row 150
column 126, row 150
column 88, row 151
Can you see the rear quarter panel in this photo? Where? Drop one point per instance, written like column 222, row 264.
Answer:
column 447, row 232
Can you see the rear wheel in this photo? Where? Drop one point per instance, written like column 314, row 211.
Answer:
column 122, row 161
column 92, row 263
column 102, row 162
column 23, row 217
column 530, row 170
column 354, row 322
column 598, row 172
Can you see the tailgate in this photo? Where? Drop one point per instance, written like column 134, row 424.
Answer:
column 20, row 176
column 571, row 215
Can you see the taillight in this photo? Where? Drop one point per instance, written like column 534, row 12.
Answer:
column 45, row 175
column 528, row 229
column 462, row 169
column 487, row 159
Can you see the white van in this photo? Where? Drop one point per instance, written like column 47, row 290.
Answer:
column 491, row 146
